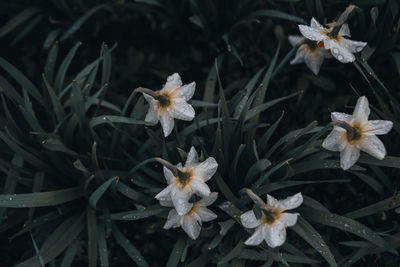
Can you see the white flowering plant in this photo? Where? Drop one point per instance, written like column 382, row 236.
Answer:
column 197, row 134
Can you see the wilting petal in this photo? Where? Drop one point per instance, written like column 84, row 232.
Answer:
column 191, row 227
column 206, row 169
column 256, row 238
column 207, row 201
column 353, row 46
column 348, row 156
column 314, row 61
column 271, row 200
column 373, row 146
column 361, row 111
column 249, row 219
column 182, row 110
column 336, row 140
column 200, row 187
column 168, row 175
column 339, row 52
column 299, row 58
column 167, row 123
column 275, row 235
column 173, row 82
column 165, row 194
column 288, row 219
column 344, row 30
column 173, row 220
column 338, row 116
column 181, row 202
column 205, row 214
column 377, row 127
column 296, row 39
column 152, row 115
column 291, row 202
column 192, row 157
column 187, row 91
column 311, row 33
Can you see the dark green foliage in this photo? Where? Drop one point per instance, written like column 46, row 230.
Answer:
column 78, row 167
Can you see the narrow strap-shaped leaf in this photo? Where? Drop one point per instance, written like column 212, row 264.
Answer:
column 92, row 237
column 102, row 242
column 62, row 71
column 18, row 20
column 57, row 106
column 98, row 193
column 70, row 253
column 176, row 253
column 41, row 199
column 129, row 248
column 386, row 204
column 114, row 119
column 138, row 214
column 276, row 14
column 78, row 23
column 22, row 80
column 312, row 237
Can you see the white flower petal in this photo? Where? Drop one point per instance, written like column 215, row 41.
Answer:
column 272, row 201
column 191, row 227
column 296, row 39
column 206, row 169
column 315, row 24
column 338, row 51
column 249, row 219
column 205, row 214
column 275, row 235
column 373, row 146
column 207, row 201
column 377, row 127
column 181, row 201
column 348, row 156
column 187, row 91
column 338, row 116
column 336, row 140
column 345, row 30
column 311, row 33
column 299, row 58
column 173, row 82
column 200, row 187
column 353, row 46
column 291, row 202
column 149, row 98
column 165, row 194
column 256, row 238
column 314, row 61
column 182, row 110
column 361, row 111
column 169, row 176
column 288, row 219
column 167, row 123
column 173, row 220
column 192, row 157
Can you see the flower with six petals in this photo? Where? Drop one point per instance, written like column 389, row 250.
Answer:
column 169, row 103
column 333, row 39
column 271, row 227
column 352, row 133
column 191, row 221
column 185, row 181
column 308, row 52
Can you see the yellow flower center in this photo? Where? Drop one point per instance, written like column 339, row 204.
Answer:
column 334, row 33
column 270, row 216
column 311, row 45
column 184, row 177
column 356, row 136
column 164, row 100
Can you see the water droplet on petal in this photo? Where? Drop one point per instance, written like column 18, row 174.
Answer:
column 335, row 51
column 340, row 57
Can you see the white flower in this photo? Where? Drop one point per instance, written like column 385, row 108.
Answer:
column 169, row 103
column 187, row 181
column 352, row 133
column 272, row 225
column 191, row 221
column 333, row 39
column 308, row 52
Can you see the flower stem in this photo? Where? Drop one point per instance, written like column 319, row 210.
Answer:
column 168, row 165
column 256, row 199
column 149, row 92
